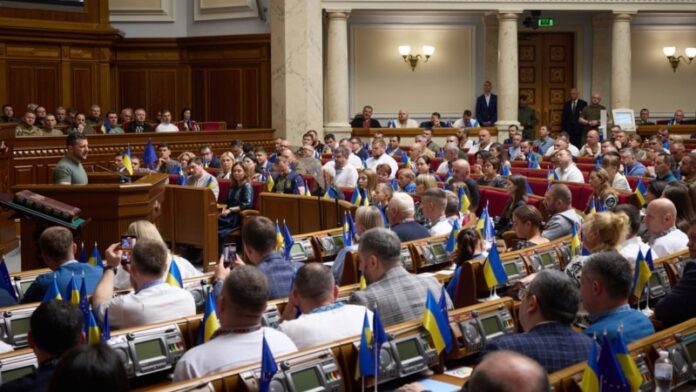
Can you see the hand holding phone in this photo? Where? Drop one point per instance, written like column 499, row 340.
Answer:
column 229, row 252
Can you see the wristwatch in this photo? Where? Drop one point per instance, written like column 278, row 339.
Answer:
column 112, row 268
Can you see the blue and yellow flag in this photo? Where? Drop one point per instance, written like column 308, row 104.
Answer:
column 53, row 292
column 641, row 275
column 590, row 376
column 484, row 226
column 407, row 163
column 592, row 209
column 270, row 183
column 600, row 206
column 528, row 187
column 347, row 235
column 174, row 275
column 493, row 271
column 269, row 367
column 280, row 243
column 83, row 253
column 379, row 337
column 505, row 171
column 464, row 202
column 552, row 175
column 84, row 304
column 436, row 325
column 288, row 241
column 575, row 243
column 95, row 259
column 106, row 331
column 610, row 372
column 357, row 198
column 93, row 332
column 366, row 358
column 127, row 161
column 307, row 191
column 330, row 193
column 363, row 283
column 626, row 362
column 383, row 212
column 533, row 162
column 451, row 244
column 150, row 156
column 210, row 322
column 641, row 192
column 72, row 292
column 5, row 281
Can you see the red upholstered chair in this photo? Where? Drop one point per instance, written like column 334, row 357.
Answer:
column 534, row 200
column 538, row 186
column 546, row 165
column 537, row 173
column 310, row 181
column 212, row 170
column 435, row 163
column 213, row 125
column 586, row 166
column 224, row 191
column 518, row 164
column 348, row 193
column 633, row 181
column 258, row 187
column 496, row 199
column 626, row 198
column 585, row 160
column 471, row 158
column 581, row 194
column 173, row 179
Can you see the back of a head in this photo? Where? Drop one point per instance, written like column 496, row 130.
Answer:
column 143, row 229
column 368, row 217
column 314, row 282
column 56, row 326
column 56, row 243
column 437, row 197
column 561, row 192
column 557, row 295
column 508, row 371
column 383, row 243
column 150, row 257
column 452, row 207
column 259, row 234
column 608, row 227
column 247, row 288
column 467, row 240
column 633, row 215
column 612, row 270
column 403, row 203
column 90, row 367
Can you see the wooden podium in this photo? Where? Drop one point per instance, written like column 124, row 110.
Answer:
column 109, row 205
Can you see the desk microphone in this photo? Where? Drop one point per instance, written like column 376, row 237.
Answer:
column 123, row 179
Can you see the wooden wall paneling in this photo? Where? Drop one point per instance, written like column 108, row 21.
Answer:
column 22, row 84
column 224, row 94
column 250, row 100
column 162, row 91
column 83, row 95
column 133, row 88
column 4, row 86
column 199, row 101
column 93, row 16
column 48, row 86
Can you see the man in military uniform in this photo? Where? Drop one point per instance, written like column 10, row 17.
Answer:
column 527, row 118
column 589, row 116
column 27, row 127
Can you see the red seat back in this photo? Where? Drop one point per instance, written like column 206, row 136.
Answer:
column 224, row 190
column 495, row 198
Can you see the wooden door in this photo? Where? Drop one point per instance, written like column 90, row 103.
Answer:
column 546, row 73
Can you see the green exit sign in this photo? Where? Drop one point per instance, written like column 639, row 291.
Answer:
column 545, row 22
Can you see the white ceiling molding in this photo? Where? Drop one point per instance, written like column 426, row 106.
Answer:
column 224, row 9
column 141, row 10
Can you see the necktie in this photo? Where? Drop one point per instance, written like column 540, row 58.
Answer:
column 573, row 107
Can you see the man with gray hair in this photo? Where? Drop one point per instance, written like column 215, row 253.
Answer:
column 562, row 216
column 398, row 294
column 548, row 308
column 400, row 215
column 345, row 174
column 507, row 371
column 433, row 204
column 323, row 319
column 451, row 155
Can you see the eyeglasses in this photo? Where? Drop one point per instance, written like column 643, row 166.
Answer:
column 523, row 294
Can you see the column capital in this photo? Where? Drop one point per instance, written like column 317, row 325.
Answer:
column 508, row 15
column 337, row 13
column 623, row 16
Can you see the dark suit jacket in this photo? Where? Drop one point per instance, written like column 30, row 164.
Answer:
column 570, row 117
column 554, row 345
column 358, row 122
column 487, row 113
column 680, row 303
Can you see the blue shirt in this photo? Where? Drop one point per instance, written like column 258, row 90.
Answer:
column 635, row 324
column 279, row 272
column 637, row 169
column 543, row 144
column 669, row 177
column 63, row 274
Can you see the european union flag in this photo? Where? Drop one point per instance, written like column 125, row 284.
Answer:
column 181, row 180
column 493, row 271
column 83, row 253
column 268, row 367
column 451, row 244
column 590, row 376
column 641, row 192
column 84, row 304
column 379, row 337
column 95, row 259
column 436, row 324
column 106, row 331
column 210, row 322
column 351, row 225
column 288, row 242
column 72, row 292
column 149, row 155
column 600, row 206
column 610, row 373
column 383, row 212
column 5, row 281
column 174, row 275
column 53, row 292
column 442, row 302
column 93, row 332
column 366, row 358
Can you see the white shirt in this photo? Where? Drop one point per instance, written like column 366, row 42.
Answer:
column 630, row 247
column 573, row 151
column 460, row 123
column 313, row 329
column 162, row 127
column 443, row 168
column 355, row 161
column 206, row 181
column 153, row 304
column 231, row 351
column 346, row 176
column 441, row 226
column 672, row 242
column 187, row 270
column 372, row 163
column 571, row 174
column 477, row 146
column 620, row 183
column 409, row 124
column 470, row 143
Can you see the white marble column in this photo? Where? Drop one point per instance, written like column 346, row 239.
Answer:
column 601, row 59
column 621, row 61
column 296, row 67
column 508, row 73
column 336, row 93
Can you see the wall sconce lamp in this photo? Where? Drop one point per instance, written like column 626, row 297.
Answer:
column 405, row 52
column 671, row 51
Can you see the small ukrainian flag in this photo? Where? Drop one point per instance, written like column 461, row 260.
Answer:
column 174, row 275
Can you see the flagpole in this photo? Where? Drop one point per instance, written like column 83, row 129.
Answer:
column 377, row 350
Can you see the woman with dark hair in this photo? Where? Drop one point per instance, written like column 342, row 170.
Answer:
column 655, row 189
column 90, row 367
column 186, row 123
column 240, row 197
column 469, row 247
column 679, row 194
column 498, row 151
column 423, row 165
column 491, row 174
column 480, row 157
column 516, row 187
column 527, row 223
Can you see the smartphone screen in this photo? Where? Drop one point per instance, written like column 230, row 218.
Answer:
column 127, row 244
column 229, row 252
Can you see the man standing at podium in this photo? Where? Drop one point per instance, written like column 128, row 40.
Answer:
column 69, row 170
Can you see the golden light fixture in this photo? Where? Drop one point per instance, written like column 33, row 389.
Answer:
column 405, row 52
column 671, row 51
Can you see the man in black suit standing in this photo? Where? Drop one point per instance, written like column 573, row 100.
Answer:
column 487, row 106
column 365, row 120
column 571, row 113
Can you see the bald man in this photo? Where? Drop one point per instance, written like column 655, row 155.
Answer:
column 665, row 238
column 461, row 179
column 507, row 371
column 484, row 142
column 592, row 148
column 403, row 121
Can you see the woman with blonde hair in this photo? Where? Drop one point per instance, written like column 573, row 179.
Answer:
column 601, row 232
column 145, row 229
column 226, row 162
column 367, row 181
column 383, row 193
column 602, row 191
column 184, row 158
column 366, row 218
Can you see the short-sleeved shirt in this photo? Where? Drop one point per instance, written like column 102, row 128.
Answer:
column 326, row 324
column 69, row 171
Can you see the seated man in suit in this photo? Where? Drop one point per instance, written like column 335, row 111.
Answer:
column 548, row 308
column 679, row 304
column 398, row 294
column 365, row 120
column 400, row 215
column 58, row 252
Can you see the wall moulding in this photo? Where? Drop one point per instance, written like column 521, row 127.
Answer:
column 141, row 11
column 225, row 9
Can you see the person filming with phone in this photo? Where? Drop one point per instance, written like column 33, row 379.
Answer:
column 153, row 299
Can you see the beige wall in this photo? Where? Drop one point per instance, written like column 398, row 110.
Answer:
column 380, row 77
column 653, row 84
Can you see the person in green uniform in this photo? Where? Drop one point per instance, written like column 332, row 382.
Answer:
column 69, row 170
column 589, row 116
column 527, row 118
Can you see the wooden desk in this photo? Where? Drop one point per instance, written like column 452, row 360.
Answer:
column 413, row 132
column 650, row 130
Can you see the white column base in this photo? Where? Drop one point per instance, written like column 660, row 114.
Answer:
column 503, row 126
